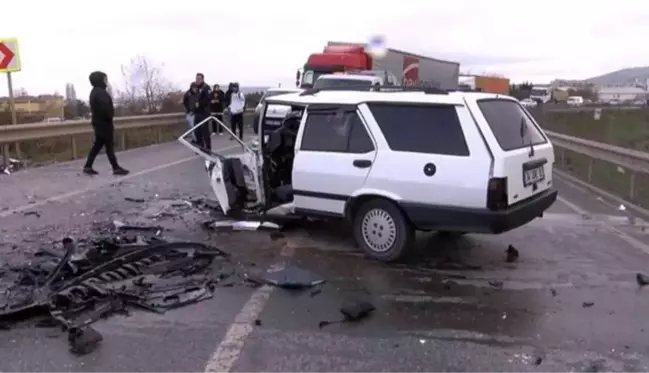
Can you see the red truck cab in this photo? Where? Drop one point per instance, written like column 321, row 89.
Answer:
column 333, row 59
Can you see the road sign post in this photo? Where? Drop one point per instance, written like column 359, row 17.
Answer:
column 9, row 62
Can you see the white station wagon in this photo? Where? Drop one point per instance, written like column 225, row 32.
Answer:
column 394, row 162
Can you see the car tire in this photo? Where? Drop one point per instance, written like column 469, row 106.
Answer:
column 382, row 230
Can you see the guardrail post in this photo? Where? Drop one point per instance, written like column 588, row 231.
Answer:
column 122, row 139
column 631, row 186
column 73, row 145
column 159, row 135
column 19, row 153
column 5, row 155
column 590, row 170
column 562, row 157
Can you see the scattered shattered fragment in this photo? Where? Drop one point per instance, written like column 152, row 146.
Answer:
column 512, row 254
column 123, row 226
column 276, row 235
column 553, row 291
column 35, row 213
column 133, row 199
column 258, row 322
column 83, row 340
column 496, row 284
column 587, row 304
column 13, row 165
column 538, row 360
column 241, row 225
column 323, row 323
column 357, row 311
column 642, row 279
column 292, row 277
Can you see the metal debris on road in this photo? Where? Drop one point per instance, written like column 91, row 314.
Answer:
column 292, row 277
column 83, row 341
column 133, row 199
column 496, row 284
column 75, row 289
column 241, row 225
column 512, row 254
column 642, row 279
column 587, row 304
column 12, row 166
column 353, row 312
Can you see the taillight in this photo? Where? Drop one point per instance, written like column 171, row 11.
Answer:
column 497, row 193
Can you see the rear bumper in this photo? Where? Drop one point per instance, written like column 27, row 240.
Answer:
column 427, row 217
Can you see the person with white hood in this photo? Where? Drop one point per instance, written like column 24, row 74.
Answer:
column 236, row 108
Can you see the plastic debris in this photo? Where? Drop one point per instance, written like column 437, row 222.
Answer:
column 292, row 278
column 512, row 254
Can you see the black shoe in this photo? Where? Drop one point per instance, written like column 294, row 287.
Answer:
column 90, row 171
column 120, row 171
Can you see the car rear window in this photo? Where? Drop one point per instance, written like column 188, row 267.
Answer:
column 510, row 124
column 429, row 129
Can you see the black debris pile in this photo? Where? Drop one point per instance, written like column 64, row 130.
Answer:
column 13, row 165
column 352, row 312
column 642, row 279
column 76, row 286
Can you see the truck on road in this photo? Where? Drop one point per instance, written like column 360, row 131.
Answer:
column 407, row 68
column 543, row 95
column 487, row 84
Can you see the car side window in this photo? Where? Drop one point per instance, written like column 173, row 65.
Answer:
column 359, row 140
column 416, row 128
column 325, row 132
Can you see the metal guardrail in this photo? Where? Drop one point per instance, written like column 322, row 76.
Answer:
column 16, row 134
column 631, row 161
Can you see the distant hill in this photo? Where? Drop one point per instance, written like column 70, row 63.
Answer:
column 622, row 77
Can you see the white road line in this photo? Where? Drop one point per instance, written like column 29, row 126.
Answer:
column 630, row 240
column 228, row 351
column 98, row 185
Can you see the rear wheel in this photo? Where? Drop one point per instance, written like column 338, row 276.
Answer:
column 382, row 231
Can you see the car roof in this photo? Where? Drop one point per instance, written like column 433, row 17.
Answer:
column 281, row 89
column 352, row 97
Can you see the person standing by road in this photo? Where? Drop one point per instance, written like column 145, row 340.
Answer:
column 189, row 102
column 102, row 111
column 216, row 107
column 236, row 108
column 202, row 112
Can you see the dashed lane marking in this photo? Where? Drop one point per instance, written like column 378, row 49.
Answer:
column 228, row 351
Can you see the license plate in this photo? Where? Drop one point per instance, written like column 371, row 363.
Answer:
column 533, row 176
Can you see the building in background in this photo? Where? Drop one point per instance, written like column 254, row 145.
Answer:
column 33, row 108
column 624, row 94
column 70, row 92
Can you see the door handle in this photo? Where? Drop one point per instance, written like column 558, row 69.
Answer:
column 362, row 163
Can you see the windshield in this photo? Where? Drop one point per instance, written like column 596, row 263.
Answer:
column 341, row 83
column 311, row 76
column 539, row 92
column 510, row 124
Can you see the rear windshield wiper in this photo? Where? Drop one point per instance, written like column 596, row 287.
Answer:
column 523, row 130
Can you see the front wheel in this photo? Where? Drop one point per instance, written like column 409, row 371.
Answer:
column 382, row 230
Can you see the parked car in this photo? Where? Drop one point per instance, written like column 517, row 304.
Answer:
column 391, row 163
column 528, row 102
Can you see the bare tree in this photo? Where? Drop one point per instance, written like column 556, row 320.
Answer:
column 145, row 86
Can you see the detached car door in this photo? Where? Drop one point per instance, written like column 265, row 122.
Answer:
column 333, row 157
column 221, row 178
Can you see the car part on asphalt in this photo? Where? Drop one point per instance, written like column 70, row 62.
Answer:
column 77, row 289
column 353, row 312
column 83, row 341
column 292, row 277
column 13, row 165
column 642, row 279
column 512, row 254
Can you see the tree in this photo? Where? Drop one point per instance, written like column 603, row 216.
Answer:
column 76, row 109
column 145, row 87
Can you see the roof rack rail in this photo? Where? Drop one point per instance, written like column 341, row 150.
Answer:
column 377, row 88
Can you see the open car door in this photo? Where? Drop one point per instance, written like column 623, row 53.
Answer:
column 235, row 180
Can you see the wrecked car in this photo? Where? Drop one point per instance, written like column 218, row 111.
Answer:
column 392, row 162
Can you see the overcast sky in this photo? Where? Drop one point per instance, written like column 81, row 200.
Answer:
column 261, row 43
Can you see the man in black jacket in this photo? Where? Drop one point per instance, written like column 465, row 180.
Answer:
column 202, row 112
column 216, row 107
column 102, row 111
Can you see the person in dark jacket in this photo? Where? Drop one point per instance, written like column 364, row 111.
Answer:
column 102, row 111
column 216, row 107
column 202, row 112
column 189, row 102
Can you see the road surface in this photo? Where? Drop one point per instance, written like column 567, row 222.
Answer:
column 570, row 302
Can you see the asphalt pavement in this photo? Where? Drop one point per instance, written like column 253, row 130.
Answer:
column 570, row 301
